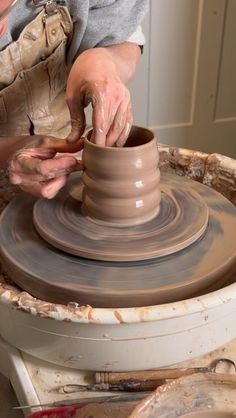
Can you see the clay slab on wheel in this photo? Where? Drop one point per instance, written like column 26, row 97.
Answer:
column 52, row 275
column 182, row 219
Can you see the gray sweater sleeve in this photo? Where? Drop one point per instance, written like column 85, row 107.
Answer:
column 111, row 22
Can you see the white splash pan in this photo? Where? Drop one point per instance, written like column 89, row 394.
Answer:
column 121, row 339
column 129, row 338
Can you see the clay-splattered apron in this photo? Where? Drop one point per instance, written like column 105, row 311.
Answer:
column 33, row 76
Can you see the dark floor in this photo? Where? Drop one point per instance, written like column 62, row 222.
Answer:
column 8, row 400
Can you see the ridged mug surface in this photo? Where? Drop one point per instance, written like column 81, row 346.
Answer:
column 121, row 185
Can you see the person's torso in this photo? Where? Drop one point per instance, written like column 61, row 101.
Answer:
column 35, row 57
column 33, row 76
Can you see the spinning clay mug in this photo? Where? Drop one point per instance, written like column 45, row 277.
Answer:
column 121, row 185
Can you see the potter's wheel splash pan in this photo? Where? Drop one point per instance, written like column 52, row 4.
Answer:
column 122, row 339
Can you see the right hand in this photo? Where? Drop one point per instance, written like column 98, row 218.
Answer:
column 94, row 79
column 35, row 169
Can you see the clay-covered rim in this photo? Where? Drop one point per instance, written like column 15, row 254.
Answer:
column 20, row 300
column 149, row 142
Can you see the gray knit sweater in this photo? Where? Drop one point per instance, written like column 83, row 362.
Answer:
column 96, row 22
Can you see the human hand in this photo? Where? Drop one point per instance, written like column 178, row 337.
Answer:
column 93, row 79
column 36, row 169
column 4, row 18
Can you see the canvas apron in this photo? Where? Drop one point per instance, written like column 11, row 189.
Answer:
column 33, row 75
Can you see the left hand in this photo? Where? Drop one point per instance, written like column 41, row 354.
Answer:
column 93, row 79
column 39, row 169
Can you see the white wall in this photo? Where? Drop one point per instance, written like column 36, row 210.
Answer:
column 185, row 88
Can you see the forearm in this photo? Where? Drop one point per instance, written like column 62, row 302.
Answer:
column 120, row 59
column 9, row 145
column 125, row 57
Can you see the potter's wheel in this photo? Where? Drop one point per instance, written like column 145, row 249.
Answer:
column 50, row 274
column 182, row 219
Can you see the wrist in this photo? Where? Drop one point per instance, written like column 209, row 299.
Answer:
column 125, row 57
column 96, row 60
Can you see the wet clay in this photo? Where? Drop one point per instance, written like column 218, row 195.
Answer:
column 209, row 414
column 182, row 219
column 106, row 410
column 52, row 275
column 121, row 184
column 202, row 395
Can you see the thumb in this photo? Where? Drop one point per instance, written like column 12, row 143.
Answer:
column 78, row 122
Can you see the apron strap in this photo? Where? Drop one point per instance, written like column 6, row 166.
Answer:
column 50, row 6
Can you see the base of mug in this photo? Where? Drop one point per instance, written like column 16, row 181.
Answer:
column 124, row 223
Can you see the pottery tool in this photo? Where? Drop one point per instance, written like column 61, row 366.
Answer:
column 147, row 380
column 150, row 379
column 124, row 397
column 136, row 382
